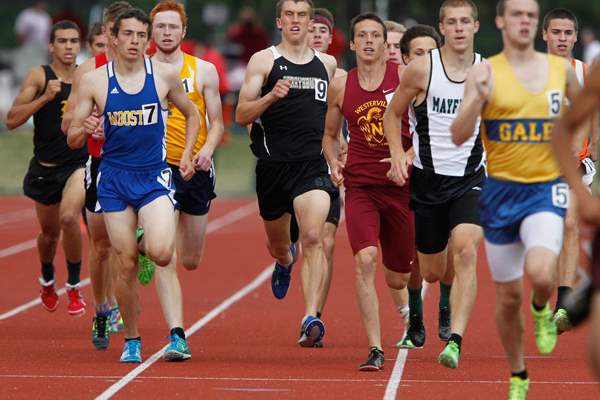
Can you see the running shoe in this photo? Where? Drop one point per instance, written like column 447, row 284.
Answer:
column 132, row 351
column 545, row 330
column 578, row 302
column 444, row 324
column 115, row 322
column 415, row 335
column 76, row 307
column 146, row 266
column 280, row 280
column 177, row 350
column 518, row 388
column 48, row 295
column 561, row 320
column 312, row 331
column 374, row 361
column 449, row 356
column 100, row 332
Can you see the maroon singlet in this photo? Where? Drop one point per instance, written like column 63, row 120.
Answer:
column 367, row 144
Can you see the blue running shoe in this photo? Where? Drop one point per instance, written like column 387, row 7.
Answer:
column 280, row 280
column 132, row 351
column 177, row 350
column 311, row 331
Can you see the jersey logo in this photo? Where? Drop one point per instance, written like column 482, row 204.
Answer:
column 371, row 124
column 445, row 106
column 520, row 130
column 282, row 67
column 114, row 91
column 148, row 115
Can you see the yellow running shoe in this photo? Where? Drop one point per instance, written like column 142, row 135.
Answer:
column 545, row 329
column 518, row 388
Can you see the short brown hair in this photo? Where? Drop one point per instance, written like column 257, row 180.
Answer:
column 134, row 13
column 365, row 16
column 170, row 6
column 279, row 6
column 112, row 12
column 95, row 30
column 459, row 3
column 393, row 26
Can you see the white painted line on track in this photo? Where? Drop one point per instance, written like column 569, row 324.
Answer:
column 237, row 296
column 392, row 387
column 213, row 226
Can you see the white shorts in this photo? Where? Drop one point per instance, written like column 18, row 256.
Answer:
column 506, row 261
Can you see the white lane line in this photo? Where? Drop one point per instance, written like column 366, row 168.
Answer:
column 291, row 380
column 213, row 226
column 237, row 296
column 392, row 387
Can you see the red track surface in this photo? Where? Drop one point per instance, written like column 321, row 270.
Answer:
column 250, row 350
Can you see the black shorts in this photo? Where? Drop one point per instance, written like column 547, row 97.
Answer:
column 433, row 223
column 278, row 183
column 91, row 182
column 335, row 210
column 45, row 184
column 194, row 196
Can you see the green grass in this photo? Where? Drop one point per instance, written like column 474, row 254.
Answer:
column 234, row 163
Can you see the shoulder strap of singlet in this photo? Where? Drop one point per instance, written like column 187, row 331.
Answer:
column 111, row 69
column 319, row 55
column 148, row 64
column 579, row 70
column 276, row 53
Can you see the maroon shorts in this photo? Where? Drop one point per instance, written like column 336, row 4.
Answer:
column 380, row 215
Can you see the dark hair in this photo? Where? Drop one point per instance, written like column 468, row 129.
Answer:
column 95, row 30
column 279, row 6
column 325, row 13
column 64, row 24
column 418, row 31
column 112, row 12
column 365, row 16
column 459, row 3
column 560, row 13
column 132, row 13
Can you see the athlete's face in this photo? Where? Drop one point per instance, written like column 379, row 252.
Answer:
column 98, row 45
column 393, row 47
column 319, row 37
column 519, row 22
column 459, row 28
column 560, row 37
column 419, row 47
column 294, row 21
column 66, row 46
column 167, row 31
column 132, row 39
column 368, row 42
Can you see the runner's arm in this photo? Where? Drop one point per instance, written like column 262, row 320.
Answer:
column 72, row 100
column 332, row 144
column 26, row 104
column 77, row 134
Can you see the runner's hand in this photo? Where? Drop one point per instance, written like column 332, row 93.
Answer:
column 52, row 89
column 186, row 168
column 281, row 89
column 398, row 172
column 336, row 173
column 203, row 159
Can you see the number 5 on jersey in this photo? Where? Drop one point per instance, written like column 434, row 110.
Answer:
column 560, row 195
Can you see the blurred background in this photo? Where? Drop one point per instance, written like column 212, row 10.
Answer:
column 227, row 33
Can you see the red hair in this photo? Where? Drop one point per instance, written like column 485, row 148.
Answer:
column 170, row 6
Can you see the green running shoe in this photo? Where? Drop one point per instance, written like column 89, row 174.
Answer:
column 145, row 265
column 100, row 332
column 561, row 320
column 449, row 356
column 518, row 388
column 545, row 330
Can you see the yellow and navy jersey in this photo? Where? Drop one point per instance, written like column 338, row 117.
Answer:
column 176, row 120
column 517, row 124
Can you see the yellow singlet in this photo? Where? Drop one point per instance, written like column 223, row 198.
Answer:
column 517, row 124
column 176, row 120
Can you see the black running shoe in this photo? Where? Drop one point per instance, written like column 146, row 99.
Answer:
column 100, row 332
column 374, row 361
column 577, row 302
column 416, row 330
column 444, row 324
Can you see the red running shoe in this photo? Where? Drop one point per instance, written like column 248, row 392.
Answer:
column 76, row 305
column 48, row 295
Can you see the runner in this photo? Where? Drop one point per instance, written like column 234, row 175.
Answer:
column 201, row 84
column 55, row 175
column 107, row 318
column 446, row 180
column 376, row 209
column 134, row 181
column 284, row 97
column 560, row 30
column 519, row 94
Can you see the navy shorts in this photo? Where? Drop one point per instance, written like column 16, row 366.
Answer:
column 194, row 196
column 119, row 188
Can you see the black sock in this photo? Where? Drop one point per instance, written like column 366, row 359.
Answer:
column 535, row 306
column 133, row 338
column 178, row 331
column 444, row 301
column 522, row 374
column 456, row 338
column 319, row 314
column 563, row 292
column 48, row 271
column 74, row 269
column 415, row 303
